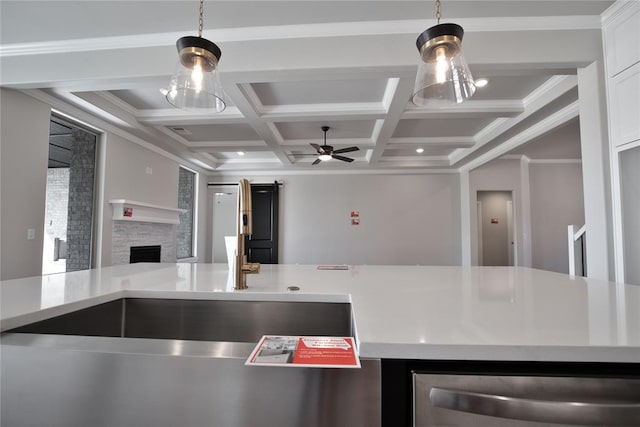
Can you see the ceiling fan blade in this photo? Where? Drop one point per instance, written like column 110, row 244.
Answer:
column 345, row 150
column 317, row 148
column 343, row 158
column 315, row 162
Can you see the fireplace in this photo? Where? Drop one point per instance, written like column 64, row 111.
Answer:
column 130, row 234
column 144, row 254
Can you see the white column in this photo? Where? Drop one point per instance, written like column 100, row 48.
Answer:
column 595, row 170
column 525, row 216
column 465, row 218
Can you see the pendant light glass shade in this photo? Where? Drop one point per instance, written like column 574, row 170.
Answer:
column 195, row 85
column 443, row 75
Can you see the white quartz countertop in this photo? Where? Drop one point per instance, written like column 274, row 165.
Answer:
column 406, row 312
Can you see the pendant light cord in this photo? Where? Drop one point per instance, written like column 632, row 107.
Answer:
column 438, row 11
column 200, row 18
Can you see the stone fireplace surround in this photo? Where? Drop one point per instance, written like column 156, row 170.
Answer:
column 143, row 225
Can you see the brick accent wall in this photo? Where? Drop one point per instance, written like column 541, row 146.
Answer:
column 80, row 213
column 186, row 196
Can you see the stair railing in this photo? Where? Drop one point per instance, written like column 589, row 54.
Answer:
column 576, row 239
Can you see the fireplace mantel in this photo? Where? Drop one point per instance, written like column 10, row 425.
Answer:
column 129, row 210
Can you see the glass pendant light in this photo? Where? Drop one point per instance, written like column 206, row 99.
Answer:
column 443, row 74
column 195, row 85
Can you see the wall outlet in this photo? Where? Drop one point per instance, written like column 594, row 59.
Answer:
column 31, row 233
column 149, row 170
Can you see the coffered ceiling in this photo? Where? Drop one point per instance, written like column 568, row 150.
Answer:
column 290, row 67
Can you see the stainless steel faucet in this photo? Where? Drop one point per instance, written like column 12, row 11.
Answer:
column 244, row 228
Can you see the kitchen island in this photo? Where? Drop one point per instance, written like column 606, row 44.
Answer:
column 409, row 312
column 411, row 324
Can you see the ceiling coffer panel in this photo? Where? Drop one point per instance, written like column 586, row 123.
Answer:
column 220, row 132
column 320, row 91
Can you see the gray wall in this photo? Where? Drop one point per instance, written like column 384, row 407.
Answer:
column 24, row 149
column 556, row 202
column 504, row 175
column 126, row 177
column 404, row 219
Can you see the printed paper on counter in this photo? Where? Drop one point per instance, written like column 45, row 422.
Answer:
column 316, row 352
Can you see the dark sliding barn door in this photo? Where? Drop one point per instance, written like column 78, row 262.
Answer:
column 262, row 245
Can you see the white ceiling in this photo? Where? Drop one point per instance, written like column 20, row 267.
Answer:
column 290, row 67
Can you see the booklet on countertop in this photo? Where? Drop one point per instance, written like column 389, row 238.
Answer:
column 333, row 267
column 296, row 351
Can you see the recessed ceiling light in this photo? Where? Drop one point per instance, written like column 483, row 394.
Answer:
column 419, row 150
column 482, row 82
column 240, row 153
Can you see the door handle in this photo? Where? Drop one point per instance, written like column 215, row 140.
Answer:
column 546, row 411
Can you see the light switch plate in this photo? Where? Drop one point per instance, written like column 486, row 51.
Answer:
column 31, row 233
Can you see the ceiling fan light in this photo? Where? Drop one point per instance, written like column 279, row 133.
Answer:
column 324, row 157
column 443, row 76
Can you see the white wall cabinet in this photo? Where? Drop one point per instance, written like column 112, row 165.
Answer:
column 621, row 36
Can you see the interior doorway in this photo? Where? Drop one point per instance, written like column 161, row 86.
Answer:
column 69, row 198
column 496, row 236
column 262, row 245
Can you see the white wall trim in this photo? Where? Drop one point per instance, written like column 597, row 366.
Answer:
column 555, row 161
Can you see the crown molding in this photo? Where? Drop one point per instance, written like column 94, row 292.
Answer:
column 620, row 7
column 104, row 126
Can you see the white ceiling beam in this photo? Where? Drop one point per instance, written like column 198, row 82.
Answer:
column 437, row 141
column 538, row 99
column 334, row 142
column 541, row 128
column 321, row 57
column 229, row 147
column 174, row 116
column 241, row 96
column 402, row 89
column 467, row 109
column 411, row 27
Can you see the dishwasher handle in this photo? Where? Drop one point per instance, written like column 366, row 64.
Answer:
column 546, row 411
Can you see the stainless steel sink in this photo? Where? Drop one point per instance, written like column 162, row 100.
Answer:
column 200, row 320
column 141, row 362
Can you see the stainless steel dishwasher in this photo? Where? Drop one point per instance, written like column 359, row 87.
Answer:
column 526, row 401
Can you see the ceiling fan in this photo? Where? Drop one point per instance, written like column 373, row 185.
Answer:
column 326, row 152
